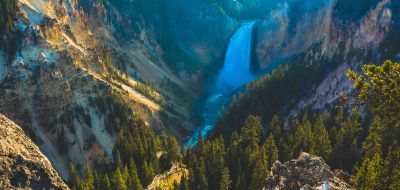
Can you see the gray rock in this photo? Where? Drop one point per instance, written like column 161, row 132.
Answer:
column 307, row 172
column 22, row 165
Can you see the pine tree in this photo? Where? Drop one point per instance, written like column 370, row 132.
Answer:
column 201, row 146
column 241, row 182
column 275, row 127
column 134, row 181
column 308, row 139
column 107, row 183
column 202, row 175
column 118, row 182
column 298, row 138
column 288, row 147
column 322, row 143
column 125, row 174
column 271, row 151
column 148, row 173
column 89, row 181
column 372, row 145
column 74, row 180
column 368, row 174
column 197, row 174
column 215, row 162
column 173, row 149
column 164, row 140
column 378, row 85
column 252, row 131
column 225, row 182
column 232, row 156
column 98, row 179
column 391, row 169
column 346, row 147
column 260, row 172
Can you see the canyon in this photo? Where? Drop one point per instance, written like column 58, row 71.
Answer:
column 83, row 66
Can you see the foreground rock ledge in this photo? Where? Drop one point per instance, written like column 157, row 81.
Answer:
column 22, row 165
column 307, row 172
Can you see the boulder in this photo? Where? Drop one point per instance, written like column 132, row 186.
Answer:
column 307, row 172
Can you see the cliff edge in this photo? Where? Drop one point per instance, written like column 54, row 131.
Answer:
column 22, row 165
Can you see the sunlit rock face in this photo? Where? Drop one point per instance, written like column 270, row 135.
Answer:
column 71, row 50
column 296, row 25
column 22, row 165
column 291, row 28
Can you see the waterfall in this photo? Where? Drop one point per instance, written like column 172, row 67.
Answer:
column 235, row 73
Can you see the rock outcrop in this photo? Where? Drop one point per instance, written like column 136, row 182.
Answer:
column 167, row 179
column 306, row 172
column 22, row 165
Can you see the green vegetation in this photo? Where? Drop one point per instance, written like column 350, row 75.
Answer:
column 8, row 38
column 135, row 160
column 112, row 104
column 278, row 91
column 243, row 163
column 378, row 87
column 135, row 153
column 361, row 141
column 366, row 147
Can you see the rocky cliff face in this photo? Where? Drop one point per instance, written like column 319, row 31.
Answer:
column 291, row 28
column 82, row 67
column 307, row 172
column 296, row 25
column 346, row 37
column 22, row 165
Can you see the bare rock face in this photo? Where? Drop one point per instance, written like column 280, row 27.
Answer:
column 307, row 172
column 168, row 178
column 22, row 165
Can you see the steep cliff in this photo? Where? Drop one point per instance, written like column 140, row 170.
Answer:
column 22, row 165
column 296, row 25
column 82, row 68
column 355, row 33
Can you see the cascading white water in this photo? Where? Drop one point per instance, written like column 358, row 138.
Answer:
column 235, row 73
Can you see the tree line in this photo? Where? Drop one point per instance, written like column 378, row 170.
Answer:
column 362, row 141
column 135, row 161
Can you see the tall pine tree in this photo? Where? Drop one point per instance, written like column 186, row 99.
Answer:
column 133, row 180
column 270, row 149
column 322, row 143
